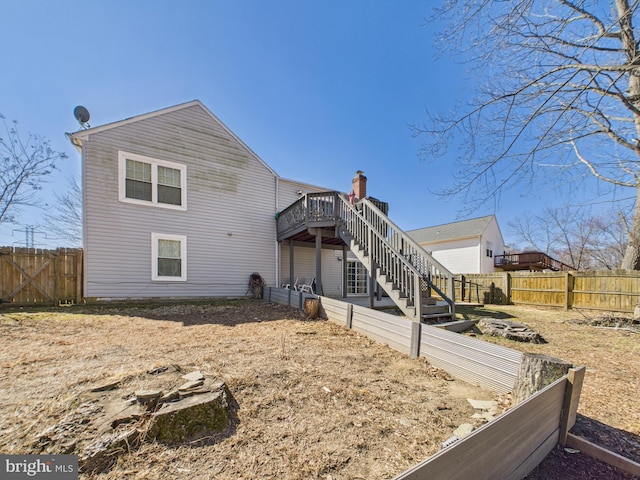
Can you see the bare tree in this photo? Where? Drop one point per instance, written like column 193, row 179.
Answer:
column 574, row 237
column 65, row 221
column 610, row 241
column 25, row 165
column 560, row 100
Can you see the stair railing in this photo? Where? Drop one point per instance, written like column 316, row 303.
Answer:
column 380, row 254
column 436, row 275
column 402, row 260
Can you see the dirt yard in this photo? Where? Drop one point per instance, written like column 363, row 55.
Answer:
column 313, row 399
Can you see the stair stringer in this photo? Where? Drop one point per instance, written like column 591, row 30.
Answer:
column 381, row 278
column 377, row 238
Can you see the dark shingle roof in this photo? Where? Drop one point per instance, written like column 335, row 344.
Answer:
column 474, row 227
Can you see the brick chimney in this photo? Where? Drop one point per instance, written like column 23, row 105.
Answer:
column 359, row 185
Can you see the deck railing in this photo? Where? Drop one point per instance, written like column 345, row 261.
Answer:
column 371, row 240
column 435, row 276
column 403, row 262
column 310, row 209
column 530, row 260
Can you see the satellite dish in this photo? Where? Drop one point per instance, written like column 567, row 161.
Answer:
column 82, row 116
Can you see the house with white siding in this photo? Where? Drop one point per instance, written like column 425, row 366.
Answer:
column 175, row 205
column 467, row 246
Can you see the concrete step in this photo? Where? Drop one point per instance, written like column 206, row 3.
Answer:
column 458, row 325
column 436, row 317
column 434, row 309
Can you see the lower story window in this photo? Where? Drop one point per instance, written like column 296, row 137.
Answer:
column 169, row 257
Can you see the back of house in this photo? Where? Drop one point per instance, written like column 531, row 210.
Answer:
column 175, row 205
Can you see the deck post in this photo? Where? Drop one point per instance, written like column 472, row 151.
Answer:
column 344, row 271
column 372, row 286
column 417, row 297
column 318, row 262
column 291, row 280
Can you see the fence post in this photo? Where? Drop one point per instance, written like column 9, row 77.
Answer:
column 349, row 319
column 79, row 276
column 570, row 404
column 568, row 290
column 57, row 259
column 506, row 281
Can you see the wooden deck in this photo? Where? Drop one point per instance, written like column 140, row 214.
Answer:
column 532, row 261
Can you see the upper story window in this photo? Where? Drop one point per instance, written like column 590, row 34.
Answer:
column 489, row 249
column 148, row 181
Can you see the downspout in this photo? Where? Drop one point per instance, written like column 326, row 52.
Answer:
column 481, row 259
column 277, row 246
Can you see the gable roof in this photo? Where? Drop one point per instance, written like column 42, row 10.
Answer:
column 474, row 227
column 78, row 137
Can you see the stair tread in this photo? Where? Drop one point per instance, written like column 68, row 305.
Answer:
column 430, row 307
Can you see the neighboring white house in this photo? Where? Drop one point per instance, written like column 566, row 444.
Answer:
column 467, row 246
column 175, row 205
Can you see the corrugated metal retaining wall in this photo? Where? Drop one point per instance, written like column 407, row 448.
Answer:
column 384, row 328
column 508, row 447
column 469, row 359
column 284, row 296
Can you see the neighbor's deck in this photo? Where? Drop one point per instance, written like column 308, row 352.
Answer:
column 533, row 261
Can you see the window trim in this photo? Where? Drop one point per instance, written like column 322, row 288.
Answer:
column 154, row 257
column 489, row 251
column 122, row 180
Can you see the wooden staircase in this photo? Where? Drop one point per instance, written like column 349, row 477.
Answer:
column 402, row 268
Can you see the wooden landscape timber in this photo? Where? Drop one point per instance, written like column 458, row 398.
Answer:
column 600, row 453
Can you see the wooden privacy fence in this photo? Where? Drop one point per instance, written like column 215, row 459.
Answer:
column 508, row 447
column 30, row 276
column 611, row 290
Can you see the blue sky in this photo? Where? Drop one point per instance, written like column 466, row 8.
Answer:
column 317, row 89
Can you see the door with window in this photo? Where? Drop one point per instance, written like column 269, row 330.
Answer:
column 357, row 278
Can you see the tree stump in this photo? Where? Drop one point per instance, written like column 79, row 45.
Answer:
column 311, row 307
column 536, row 372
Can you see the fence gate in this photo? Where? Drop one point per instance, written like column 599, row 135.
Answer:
column 30, row 276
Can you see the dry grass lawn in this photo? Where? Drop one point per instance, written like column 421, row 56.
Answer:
column 609, row 410
column 314, row 400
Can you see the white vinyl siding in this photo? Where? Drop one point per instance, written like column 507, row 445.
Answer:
column 229, row 223
column 168, row 257
column 149, row 181
column 458, row 256
column 305, row 267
